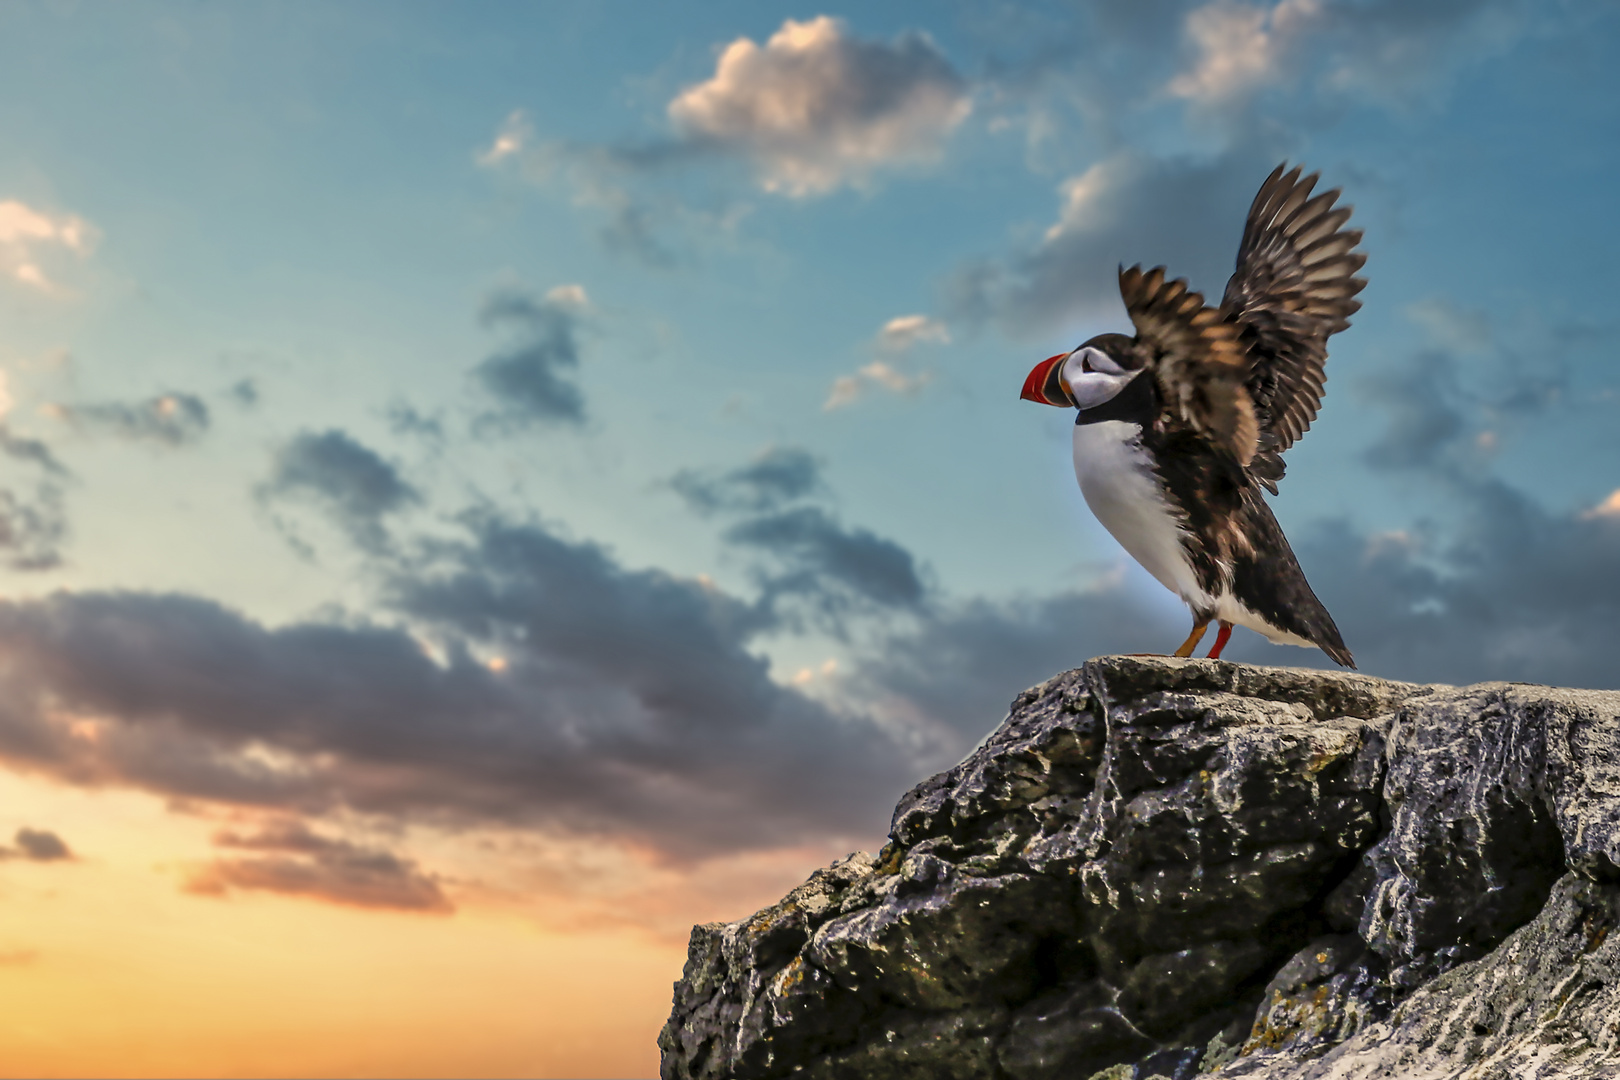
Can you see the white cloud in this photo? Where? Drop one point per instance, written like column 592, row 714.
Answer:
column 569, row 296
column 1392, row 51
column 513, row 137
column 848, row 389
column 1608, row 508
column 1450, row 326
column 1129, row 207
column 816, row 108
column 903, row 332
column 30, row 238
column 1090, row 200
column 1241, row 48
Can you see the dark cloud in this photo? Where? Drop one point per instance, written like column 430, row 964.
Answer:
column 33, row 514
column 1425, row 417
column 623, row 703
column 531, row 379
column 407, row 420
column 779, row 475
column 956, row 668
column 633, row 228
column 30, row 452
column 291, row 859
column 1186, row 214
column 814, row 555
column 38, row 845
column 804, row 552
column 1516, row 594
column 1509, row 590
column 166, row 420
column 33, row 527
column 244, row 392
column 345, row 479
column 1442, row 423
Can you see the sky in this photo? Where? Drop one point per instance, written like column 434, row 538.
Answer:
column 486, row 487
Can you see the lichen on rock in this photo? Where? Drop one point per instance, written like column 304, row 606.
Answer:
column 1175, row 868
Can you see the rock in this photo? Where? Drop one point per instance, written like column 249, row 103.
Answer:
column 1181, row 868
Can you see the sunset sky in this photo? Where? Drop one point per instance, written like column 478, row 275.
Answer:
column 486, row 486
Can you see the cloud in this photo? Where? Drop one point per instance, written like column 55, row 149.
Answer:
column 514, row 136
column 350, row 482
column 1510, row 590
column 1184, row 213
column 779, row 475
column 848, row 389
column 897, row 337
column 531, row 378
column 1423, row 402
column 609, row 179
column 815, row 556
column 33, row 523
column 1241, row 48
column 628, row 705
column 38, row 845
column 1517, row 593
column 166, row 420
column 1450, row 326
column 1608, row 508
column 817, row 108
column 813, row 110
column 407, row 420
column 293, row 860
column 952, row 672
column 1392, row 52
column 244, row 392
column 1449, row 426
column 805, row 552
column 31, row 239
column 904, row 332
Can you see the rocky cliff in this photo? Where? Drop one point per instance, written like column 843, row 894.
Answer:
column 1177, row 868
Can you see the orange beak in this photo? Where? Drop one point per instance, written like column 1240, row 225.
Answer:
column 1045, row 383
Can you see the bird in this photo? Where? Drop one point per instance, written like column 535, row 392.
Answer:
column 1180, row 428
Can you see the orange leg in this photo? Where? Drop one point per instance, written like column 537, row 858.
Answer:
column 1194, row 638
column 1221, row 639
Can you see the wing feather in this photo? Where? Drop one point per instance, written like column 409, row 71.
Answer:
column 1196, row 356
column 1294, row 287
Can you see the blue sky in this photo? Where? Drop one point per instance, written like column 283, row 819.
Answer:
column 603, row 418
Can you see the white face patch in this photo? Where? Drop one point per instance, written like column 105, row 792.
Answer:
column 1094, row 377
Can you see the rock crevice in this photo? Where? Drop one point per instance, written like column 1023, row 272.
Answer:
column 1187, row 867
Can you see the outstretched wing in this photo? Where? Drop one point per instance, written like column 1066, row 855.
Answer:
column 1294, row 287
column 1196, row 357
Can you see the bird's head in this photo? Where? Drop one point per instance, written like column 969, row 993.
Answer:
column 1088, row 376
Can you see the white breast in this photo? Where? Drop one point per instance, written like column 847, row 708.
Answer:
column 1116, row 477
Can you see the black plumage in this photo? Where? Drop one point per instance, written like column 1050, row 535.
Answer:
column 1230, row 388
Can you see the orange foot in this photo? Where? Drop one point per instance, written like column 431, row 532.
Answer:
column 1194, row 638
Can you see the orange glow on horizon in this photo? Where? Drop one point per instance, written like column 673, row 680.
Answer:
column 108, row 968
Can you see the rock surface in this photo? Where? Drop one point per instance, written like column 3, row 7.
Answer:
column 1179, row 868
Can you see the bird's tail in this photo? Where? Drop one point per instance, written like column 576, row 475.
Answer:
column 1272, row 585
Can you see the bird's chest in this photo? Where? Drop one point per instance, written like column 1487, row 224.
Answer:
column 1119, row 484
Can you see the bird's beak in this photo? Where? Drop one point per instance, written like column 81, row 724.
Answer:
column 1045, row 383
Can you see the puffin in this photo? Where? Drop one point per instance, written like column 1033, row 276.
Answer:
column 1180, row 429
